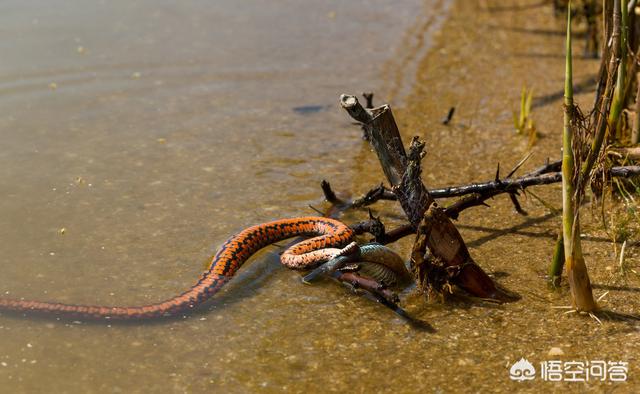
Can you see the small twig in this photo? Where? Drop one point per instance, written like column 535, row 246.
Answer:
column 545, row 203
column 622, row 250
column 520, row 163
column 376, row 228
column 373, row 226
column 397, row 233
column 369, row 99
column 547, row 168
column 383, row 295
column 319, row 212
column 376, row 194
column 516, row 205
column 476, row 193
column 449, row 116
column 468, row 201
column 329, row 195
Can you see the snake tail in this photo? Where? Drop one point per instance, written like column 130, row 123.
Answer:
column 327, row 234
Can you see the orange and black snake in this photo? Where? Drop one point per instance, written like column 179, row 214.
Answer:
column 328, row 235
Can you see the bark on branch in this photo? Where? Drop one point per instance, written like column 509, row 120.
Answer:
column 403, row 171
column 474, row 193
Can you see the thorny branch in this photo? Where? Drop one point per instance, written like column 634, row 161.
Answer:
column 477, row 194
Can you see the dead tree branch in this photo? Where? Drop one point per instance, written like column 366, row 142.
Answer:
column 403, row 171
column 476, row 193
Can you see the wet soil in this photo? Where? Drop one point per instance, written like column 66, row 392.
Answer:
column 483, row 57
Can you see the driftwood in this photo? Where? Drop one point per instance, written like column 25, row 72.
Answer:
column 403, row 171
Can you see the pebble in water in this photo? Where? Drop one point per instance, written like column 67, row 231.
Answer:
column 555, row 351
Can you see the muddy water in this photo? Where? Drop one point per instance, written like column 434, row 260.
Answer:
column 150, row 133
column 138, row 136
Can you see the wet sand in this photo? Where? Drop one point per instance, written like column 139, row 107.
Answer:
column 482, row 58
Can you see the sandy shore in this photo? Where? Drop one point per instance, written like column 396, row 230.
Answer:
column 481, row 59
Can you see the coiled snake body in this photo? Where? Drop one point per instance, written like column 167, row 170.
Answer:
column 328, row 235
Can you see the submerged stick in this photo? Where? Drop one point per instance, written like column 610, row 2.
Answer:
column 383, row 296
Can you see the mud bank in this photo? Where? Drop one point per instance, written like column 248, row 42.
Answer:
column 484, row 55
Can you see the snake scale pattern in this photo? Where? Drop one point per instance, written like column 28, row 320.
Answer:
column 328, row 235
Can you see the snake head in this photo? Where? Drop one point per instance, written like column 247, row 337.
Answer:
column 346, row 255
column 352, row 251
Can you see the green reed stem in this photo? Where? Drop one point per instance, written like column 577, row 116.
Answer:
column 619, row 93
column 581, row 293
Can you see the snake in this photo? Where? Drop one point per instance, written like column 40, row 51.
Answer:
column 328, row 235
column 370, row 260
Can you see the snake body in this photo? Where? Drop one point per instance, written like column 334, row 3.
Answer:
column 384, row 274
column 328, row 234
column 373, row 260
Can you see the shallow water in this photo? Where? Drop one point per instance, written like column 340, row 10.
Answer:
column 137, row 136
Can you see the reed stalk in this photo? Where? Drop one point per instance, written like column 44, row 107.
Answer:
column 619, row 93
column 602, row 123
column 581, row 293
